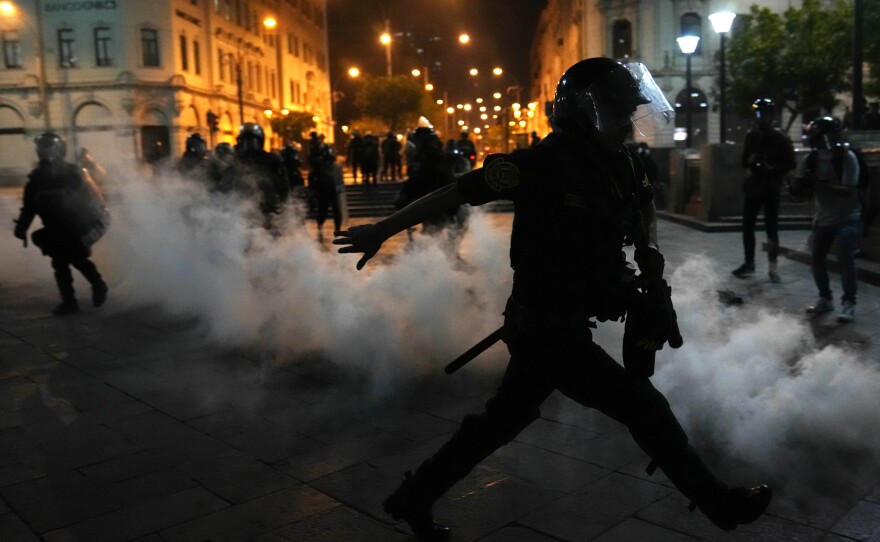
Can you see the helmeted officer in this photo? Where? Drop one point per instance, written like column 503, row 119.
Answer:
column 73, row 215
column 579, row 196
column 195, row 159
column 466, row 148
column 831, row 173
column 769, row 155
column 258, row 172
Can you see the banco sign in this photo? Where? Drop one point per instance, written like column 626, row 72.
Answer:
column 92, row 5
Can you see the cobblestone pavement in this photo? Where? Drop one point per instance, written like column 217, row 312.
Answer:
column 125, row 423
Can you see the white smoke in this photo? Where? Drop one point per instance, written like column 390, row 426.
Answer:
column 753, row 382
column 199, row 254
column 750, row 380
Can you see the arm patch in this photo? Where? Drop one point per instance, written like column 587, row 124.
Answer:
column 501, row 174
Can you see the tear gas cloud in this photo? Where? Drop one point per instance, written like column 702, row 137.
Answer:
column 750, row 380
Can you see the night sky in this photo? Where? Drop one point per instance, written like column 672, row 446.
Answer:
column 501, row 32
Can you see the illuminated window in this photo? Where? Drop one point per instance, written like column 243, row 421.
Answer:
column 621, row 35
column 102, row 46
column 197, row 58
column 184, row 55
column 66, row 57
column 11, row 50
column 150, row 47
column 692, row 25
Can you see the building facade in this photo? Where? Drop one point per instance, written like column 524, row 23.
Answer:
column 643, row 31
column 130, row 80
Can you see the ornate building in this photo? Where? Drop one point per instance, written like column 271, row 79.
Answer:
column 642, row 31
column 131, row 80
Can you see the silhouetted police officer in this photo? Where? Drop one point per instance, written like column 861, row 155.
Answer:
column 467, row 149
column 195, row 160
column 73, row 216
column 579, row 196
column 769, row 155
column 258, row 172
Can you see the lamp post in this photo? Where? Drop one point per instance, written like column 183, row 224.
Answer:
column 271, row 25
column 8, row 9
column 688, row 45
column 385, row 39
column 721, row 22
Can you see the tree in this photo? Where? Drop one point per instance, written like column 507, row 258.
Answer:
column 872, row 48
column 396, row 101
column 800, row 59
column 292, row 126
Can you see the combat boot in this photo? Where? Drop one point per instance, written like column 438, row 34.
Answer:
column 409, row 505
column 66, row 307
column 736, row 506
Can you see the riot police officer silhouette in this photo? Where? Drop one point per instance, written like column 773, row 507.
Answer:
column 258, row 172
column 769, row 155
column 74, row 217
column 579, row 196
column 195, row 159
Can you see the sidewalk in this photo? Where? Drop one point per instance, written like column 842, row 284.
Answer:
column 125, row 423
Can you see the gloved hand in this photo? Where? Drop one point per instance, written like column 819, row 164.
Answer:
column 651, row 261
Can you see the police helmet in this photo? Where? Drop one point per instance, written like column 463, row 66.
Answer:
column 50, row 146
column 195, row 143
column 224, row 150
column 607, row 95
column 250, row 137
column 824, row 133
column 764, row 110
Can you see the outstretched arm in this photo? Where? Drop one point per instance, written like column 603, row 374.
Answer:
column 369, row 237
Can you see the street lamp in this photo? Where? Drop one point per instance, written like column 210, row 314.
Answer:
column 688, row 44
column 9, row 10
column 385, row 39
column 722, row 22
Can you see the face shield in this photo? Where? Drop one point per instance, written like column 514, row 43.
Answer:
column 621, row 97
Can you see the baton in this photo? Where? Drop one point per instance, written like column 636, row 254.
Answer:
column 474, row 351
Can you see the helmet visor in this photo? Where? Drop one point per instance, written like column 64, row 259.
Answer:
column 628, row 96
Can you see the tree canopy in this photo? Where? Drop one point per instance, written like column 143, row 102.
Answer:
column 800, row 59
column 292, row 126
column 395, row 101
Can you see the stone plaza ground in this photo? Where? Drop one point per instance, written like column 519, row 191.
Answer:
column 126, row 423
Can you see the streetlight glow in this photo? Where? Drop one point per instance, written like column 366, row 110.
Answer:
column 474, row 71
column 439, row 102
column 464, row 38
column 497, row 95
column 429, row 87
column 688, row 44
column 416, row 72
column 479, row 100
column 468, row 107
column 722, row 21
column 268, row 113
column 6, row 8
column 497, row 71
column 354, row 71
column 450, row 110
column 385, row 38
column 270, row 22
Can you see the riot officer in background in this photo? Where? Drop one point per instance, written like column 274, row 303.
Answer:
column 73, row 215
column 195, row 159
column 769, row 155
column 831, row 172
column 258, row 172
column 467, row 149
column 579, row 197
column 355, row 153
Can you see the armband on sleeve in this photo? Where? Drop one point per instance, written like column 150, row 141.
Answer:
column 499, row 178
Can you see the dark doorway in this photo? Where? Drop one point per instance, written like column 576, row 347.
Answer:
column 155, row 143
